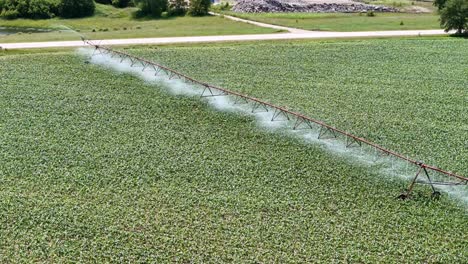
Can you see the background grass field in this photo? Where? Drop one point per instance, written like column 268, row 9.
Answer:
column 100, row 166
column 110, row 22
column 346, row 22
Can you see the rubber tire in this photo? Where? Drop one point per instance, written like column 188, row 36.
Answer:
column 436, row 195
column 403, row 196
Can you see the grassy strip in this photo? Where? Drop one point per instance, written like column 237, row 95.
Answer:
column 389, row 91
column 110, row 22
column 346, row 22
column 99, row 166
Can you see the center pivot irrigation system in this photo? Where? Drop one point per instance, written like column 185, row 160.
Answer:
column 300, row 120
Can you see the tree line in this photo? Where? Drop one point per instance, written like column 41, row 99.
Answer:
column 40, row 9
column 453, row 15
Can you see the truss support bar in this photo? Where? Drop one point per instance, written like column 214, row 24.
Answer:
column 407, row 194
column 211, row 92
column 157, row 71
column 435, row 193
column 350, row 141
column 240, row 100
column 96, row 49
column 300, row 121
column 443, row 183
column 171, row 75
column 324, row 130
column 277, row 113
column 257, row 105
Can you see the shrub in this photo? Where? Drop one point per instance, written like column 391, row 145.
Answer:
column 199, row 7
column 151, row 7
column 76, row 8
column 370, row 13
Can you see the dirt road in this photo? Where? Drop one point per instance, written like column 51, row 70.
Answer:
column 277, row 36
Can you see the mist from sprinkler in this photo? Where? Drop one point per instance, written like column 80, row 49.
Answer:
column 363, row 155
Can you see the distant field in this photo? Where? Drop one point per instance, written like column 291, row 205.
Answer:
column 110, row 22
column 346, row 22
column 407, row 94
column 102, row 167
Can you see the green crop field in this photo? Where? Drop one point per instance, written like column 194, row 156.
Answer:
column 99, row 166
column 110, row 22
column 346, row 22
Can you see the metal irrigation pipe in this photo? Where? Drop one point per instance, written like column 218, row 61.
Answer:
column 284, row 110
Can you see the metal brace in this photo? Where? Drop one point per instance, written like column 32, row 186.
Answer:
column 277, row 113
column 257, row 105
column 301, row 120
column 322, row 132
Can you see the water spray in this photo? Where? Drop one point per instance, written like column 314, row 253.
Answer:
column 266, row 112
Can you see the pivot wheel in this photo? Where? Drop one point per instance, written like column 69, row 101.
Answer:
column 436, row 195
column 403, row 196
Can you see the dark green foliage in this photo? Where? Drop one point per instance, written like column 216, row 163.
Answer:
column 454, row 15
column 12, row 9
column 9, row 14
column 76, row 8
column 104, row 2
column 120, row 3
column 440, row 3
column 43, row 9
column 370, row 13
column 199, row 7
column 116, row 3
column 152, row 8
column 177, row 7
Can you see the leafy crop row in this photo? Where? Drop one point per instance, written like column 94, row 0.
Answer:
column 98, row 166
column 407, row 95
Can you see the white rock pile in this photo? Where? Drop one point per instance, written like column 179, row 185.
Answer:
column 278, row 6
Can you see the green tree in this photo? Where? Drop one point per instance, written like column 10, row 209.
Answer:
column 199, row 7
column 76, row 8
column 151, row 7
column 453, row 14
column 12, row 9
column 42, row 9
